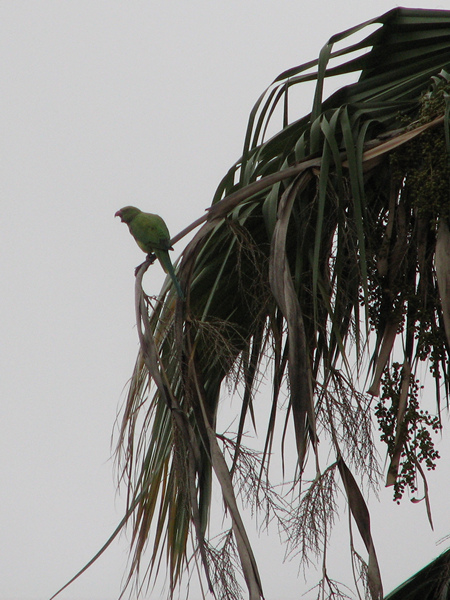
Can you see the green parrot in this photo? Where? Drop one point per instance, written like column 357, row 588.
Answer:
column 152, row 236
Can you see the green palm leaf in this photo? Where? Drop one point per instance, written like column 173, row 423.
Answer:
column 430, row 583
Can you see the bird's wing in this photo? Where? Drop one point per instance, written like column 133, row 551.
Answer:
column 151, row 232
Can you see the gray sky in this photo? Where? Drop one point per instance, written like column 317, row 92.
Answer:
column 103, row 104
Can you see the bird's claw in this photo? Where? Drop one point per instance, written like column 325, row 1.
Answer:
column 148, row 261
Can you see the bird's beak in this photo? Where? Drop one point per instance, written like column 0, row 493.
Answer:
column 119, row 214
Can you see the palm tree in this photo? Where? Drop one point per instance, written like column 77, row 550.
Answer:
column 325, row 248
column 430, row 583
column 330, row 233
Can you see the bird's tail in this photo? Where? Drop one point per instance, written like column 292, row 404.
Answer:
column 166, row 263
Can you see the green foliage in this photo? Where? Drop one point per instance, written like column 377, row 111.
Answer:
column 430, row 583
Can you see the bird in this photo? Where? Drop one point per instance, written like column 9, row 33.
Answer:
column 152, row 236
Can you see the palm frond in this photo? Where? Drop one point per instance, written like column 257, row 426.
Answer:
column 430, row 583
column 315, row 237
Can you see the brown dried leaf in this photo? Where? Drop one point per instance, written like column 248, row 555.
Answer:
column 361, row 515
column 299, row 370
column 390, row 333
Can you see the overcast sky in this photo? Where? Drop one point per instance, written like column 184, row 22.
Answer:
column 103, row 104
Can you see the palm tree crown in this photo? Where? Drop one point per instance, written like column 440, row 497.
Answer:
column 324, row 246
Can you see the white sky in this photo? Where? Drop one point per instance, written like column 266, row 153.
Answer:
column 103, row 104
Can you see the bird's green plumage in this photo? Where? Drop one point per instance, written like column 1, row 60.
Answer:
column 152, row 236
